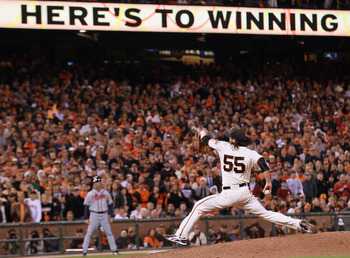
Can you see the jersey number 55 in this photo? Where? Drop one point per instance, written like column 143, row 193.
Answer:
column 234, row 163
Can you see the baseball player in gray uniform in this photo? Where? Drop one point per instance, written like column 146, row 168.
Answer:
column 236, row 163
column 100, row 203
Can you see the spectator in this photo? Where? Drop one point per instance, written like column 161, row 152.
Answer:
column 151, row 241
column 75, row 203
column 183, row 210
column 222, row 236
column 175, row 196
column 11, row 200
column 154, row 214
column 196, row 237
column 254, row 185
column 272, row 206
column 55, row 204
column 309, row 187
column 117, row 196
column 203, row 190
column 347, row 208
column 142, row 194
column 283, row 191
column 341, row 225
column 122, row 241
column 80, row 152
column 144, row 213
column 11, row 247
column 46, row 209
column 292, row 205
column 312, row 155
column 342, row 187
column 316, row 206
column 188, row 193
column 331, row 193
column 70, row 216
column 213, row 190
column 301, row 175
column 294, row 184
column 322, row 184
column 77, row 243
column 157, row 197
column 131, row 238
column 120, row 213
column 20, row 211
column 50, row 245
column 34, row 246
column 136, row 213
column 160, row 235
column 193, row 182
column 158, row 182
column 307, row 208
column 217, row 179
column 34, row 205
column 302, row 200
column 255, row 231
column 276, row 183
column 235, row 234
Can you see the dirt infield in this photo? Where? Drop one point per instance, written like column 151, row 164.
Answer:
column 330, row 243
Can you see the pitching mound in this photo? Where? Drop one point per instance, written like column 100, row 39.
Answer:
column 330, row 243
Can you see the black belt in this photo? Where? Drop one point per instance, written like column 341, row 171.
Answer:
column 229, row 187
column 99, row 212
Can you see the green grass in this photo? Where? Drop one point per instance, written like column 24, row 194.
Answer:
column 102, row 255
column 323, row 256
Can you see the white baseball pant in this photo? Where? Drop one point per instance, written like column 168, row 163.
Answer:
column 240, row 197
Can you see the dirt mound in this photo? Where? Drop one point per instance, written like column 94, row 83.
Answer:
column 330, row 243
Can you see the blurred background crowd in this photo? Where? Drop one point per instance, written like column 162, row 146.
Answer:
column 130, row 124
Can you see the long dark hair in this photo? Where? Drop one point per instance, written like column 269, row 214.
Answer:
column 246, row 141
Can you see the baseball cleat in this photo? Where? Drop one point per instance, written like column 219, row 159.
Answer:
column 115, row 253
column 176, row 239
column 84, row 254
column 306, row 227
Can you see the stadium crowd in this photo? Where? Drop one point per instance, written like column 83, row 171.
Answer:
column 130, row 124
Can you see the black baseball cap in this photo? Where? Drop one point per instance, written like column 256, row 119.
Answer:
column 235, row 133
column 96, row 179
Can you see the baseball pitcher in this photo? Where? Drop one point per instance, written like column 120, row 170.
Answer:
column 100, row 203
column 236, row 164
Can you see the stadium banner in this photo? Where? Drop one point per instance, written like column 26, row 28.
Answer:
column 98, row 16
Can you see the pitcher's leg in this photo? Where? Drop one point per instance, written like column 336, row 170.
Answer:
column 209, row 203
column 94, row 222
column 107, row 228
column 255, row 207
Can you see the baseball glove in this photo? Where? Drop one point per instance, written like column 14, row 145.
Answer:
column 198, row 146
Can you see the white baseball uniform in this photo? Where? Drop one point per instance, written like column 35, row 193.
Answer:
column 236, row 165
